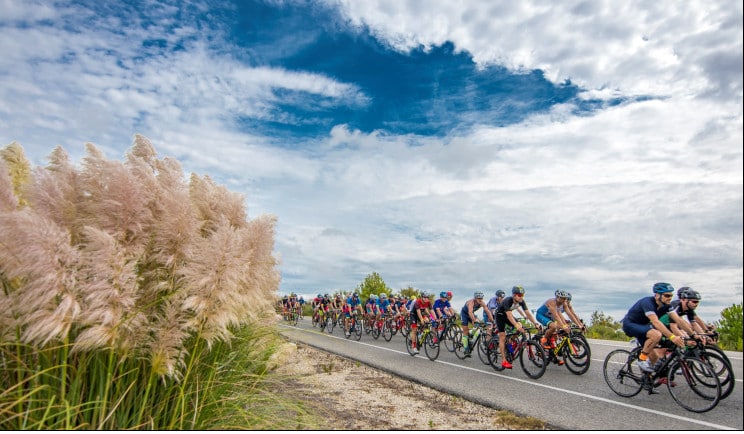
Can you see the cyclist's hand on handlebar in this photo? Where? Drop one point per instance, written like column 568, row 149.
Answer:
column 678, row 341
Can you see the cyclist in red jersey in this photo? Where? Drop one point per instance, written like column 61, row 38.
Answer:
column 420, row 314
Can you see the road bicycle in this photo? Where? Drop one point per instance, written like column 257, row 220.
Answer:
column 388, row 327
column 377, row 326
column 482, row 334
column 291, row 317
column 571, row 348
column 331, row 320
column 522, row 346
column 690, row 380
column 448, row 332
column 426, row 337
column 355, row 327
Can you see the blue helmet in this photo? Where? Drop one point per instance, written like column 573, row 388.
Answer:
column 443, row 294
column 662, row 287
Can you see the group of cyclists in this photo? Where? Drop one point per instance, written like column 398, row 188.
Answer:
column 648, row 320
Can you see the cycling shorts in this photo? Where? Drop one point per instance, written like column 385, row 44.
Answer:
column 543, row 319
column 465, row 318
column 637, row 331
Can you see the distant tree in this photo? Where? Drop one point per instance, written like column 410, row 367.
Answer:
column 410, row 292
column 372, row 284
column 730, row 327
column 603, row 326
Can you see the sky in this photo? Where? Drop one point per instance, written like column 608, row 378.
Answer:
column 590, row 146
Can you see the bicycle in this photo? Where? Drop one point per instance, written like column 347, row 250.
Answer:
column 426, row 337
column 355, row 327
column 522, row 346
column 388, row 327
column 330, row 322
column 291, row 317
column 447, row 332
column 572, row 348
column 482, row 334
column 691, row 381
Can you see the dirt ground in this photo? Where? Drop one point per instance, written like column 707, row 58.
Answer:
column 354, row 396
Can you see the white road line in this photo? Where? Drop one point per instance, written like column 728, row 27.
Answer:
column 558, row 389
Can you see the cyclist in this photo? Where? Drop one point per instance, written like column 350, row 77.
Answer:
column 504, row 317
column 355, row 304
column 685, row 307
column 370, row 307
column 550, row 315
column 493, row 303
column 292, row 303
column 420, row 314
column 385, row 306
column 467, row 316
column 642, row 322
column 442, row 307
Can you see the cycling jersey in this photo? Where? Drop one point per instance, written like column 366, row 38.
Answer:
column 676, row 306
column 509, row 304
column 353, row 302
column 636, row 322
column 543, row 314
column 384, row 304
column 441, row 305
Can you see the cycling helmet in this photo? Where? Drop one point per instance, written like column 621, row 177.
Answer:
column 383, row 296
column 662, row 287
column 500, row 293
column 517, row 290
column 478, row 294
column 320, row 295
column 373, row 297
column 691, row 294
column 681, row 290
column 443, row 294
column 355, row 295
column 568, row 296
column 560, row 293
column 449, row 294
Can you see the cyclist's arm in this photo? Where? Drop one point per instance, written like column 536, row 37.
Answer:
column 680, row 323
column 488, row 311
column 572, row 314
column 658, row 325
column 557, row 317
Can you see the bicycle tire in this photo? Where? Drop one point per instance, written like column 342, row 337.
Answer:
column 410, row 348
column 533, row 360
column 494, row 356
column 357, row 330
column 329, row 325
column 717, row 350
column 483, row 349
column 449, row 338
column 621, row 375
column 686, row 388
column 722, row 370
column 459, row 346
column 387, row 330
column 577, row 355
column 431, row 347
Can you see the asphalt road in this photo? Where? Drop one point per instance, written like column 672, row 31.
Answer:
column 560, row 398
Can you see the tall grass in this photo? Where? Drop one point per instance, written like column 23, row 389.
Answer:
column 132, row 299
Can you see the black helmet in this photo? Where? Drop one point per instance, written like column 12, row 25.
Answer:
column 517, row 290
column 500, row 293
column 681, row 290
column 690, row 294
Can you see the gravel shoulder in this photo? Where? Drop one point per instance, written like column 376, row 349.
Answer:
column 352, row 396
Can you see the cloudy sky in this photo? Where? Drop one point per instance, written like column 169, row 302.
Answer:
column 592, row 146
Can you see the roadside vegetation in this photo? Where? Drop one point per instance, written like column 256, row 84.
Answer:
column 134, row 299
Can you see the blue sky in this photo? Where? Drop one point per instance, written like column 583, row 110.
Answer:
column 588, row 146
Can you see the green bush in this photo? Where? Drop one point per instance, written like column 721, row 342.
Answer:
column 730, row 328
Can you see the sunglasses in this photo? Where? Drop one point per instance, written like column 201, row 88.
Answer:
column 667, row 295
column 693, row 301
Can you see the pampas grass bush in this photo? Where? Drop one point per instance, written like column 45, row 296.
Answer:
column 132, row 298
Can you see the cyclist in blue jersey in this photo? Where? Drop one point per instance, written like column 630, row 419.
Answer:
column 467, row 316
column 642, row 322
column 442, row 307
column 355, row 304
column 550, row 315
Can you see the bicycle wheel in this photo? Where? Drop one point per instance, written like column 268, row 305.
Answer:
column 376, row 331
column 410, row 348
column 348, row 330
column 357, row 330
column 494, row 355
column 577, row 355
column 484, row 347
column 387, row 330
column 687, row 388
column 329, row 324
column 713, row 348
column 459, row 346
column 293, row 318
column 431, row 346
column 450, row 337
column 722, row 370
column 533, row 360
column 621, row 373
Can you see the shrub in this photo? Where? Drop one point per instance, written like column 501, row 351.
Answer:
column 123, row 288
